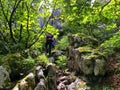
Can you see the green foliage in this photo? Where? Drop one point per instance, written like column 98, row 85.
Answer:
column 61, row 62
column 28, row 63
column 19, row 26
column 102, row 88
column 42, row 58
column 112, row 43
column 1, row 59
column 62, row 43
column 17, row 64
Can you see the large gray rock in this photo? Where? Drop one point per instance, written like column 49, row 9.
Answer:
column 41, row 85
column 41, row 79
column 86, row 60
column 39, row 72
column 4, row 79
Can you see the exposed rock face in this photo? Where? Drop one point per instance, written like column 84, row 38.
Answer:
column 41, row 79
column 86, row 62
column 27, row 83
column 73, row 59
column 39, row 72
column 4, row 78
column 85, row 59
column 41, row 85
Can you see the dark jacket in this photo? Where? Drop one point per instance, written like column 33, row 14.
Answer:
column 49, row 37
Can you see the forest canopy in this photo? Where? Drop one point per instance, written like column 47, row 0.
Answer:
column 23, row 23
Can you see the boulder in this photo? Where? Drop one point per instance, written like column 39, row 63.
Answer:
column 86, row 60
column 4, row 79
column 41, row 79
column 39, row 72
column 41, row 85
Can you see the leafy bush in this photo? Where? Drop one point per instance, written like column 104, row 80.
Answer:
column 62, row 43
column 1, row 60
column 43, row 58
column 28, row 63
column 61, row 62
column 18, row 65
column 110, row 45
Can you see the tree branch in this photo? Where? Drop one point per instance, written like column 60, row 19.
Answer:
column 28, row 33
column 10, row 19
column 104, row 6
column 42, row 29
column 3, row 11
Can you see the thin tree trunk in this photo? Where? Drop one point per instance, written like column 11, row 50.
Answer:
column 28, row 33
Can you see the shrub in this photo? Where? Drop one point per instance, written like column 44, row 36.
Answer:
column 43, row 58
column 61, row 62
column 62, row 43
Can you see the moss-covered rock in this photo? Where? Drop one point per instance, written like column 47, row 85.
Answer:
column 87, row 66
column 16, row 64
column 77, row 40
column 86, row 60
column 5, row 82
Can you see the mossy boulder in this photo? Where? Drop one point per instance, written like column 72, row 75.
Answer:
column 17, row 65
column 5, row 82
column 86, row 60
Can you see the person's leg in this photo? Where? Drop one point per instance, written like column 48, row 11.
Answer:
column 50, row 47
column 46, row 47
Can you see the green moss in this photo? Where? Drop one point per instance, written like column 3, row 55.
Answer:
column 85, row 36
column 85, row 49
column 90, row 53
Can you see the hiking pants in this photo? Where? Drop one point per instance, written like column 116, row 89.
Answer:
column 48, row 47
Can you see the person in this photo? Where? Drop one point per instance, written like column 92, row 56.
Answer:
column 49, row 42
column 54, row 42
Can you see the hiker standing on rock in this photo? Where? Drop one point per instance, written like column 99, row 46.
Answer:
column 49, row 41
